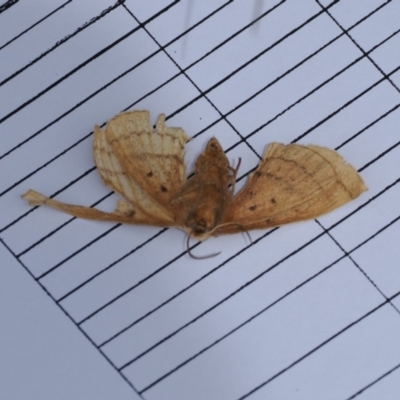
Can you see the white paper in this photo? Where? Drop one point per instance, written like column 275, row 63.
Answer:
column 305, row 311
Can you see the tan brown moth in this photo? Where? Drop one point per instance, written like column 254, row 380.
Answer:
column 146, row 166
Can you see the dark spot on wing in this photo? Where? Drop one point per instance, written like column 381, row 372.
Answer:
column 273, row 201
column 163, row 189
column 252, row 208
column 150, row 174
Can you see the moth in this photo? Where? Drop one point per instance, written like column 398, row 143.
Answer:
column 146, row 166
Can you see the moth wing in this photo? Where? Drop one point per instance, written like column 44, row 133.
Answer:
column 292, row 183
column 154, row 159
column 125, row 212
column 115, row 177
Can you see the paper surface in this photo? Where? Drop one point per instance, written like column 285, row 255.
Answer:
column 306, row 311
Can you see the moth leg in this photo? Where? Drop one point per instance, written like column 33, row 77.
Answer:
column 235, row 172
column 37, row 199
column 185, row 194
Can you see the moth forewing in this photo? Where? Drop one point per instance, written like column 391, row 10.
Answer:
column 293, row 183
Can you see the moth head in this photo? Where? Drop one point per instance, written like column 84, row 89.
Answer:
column 201, row 222
column 200, row 225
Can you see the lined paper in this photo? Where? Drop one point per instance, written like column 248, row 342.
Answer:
column 305, row 311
